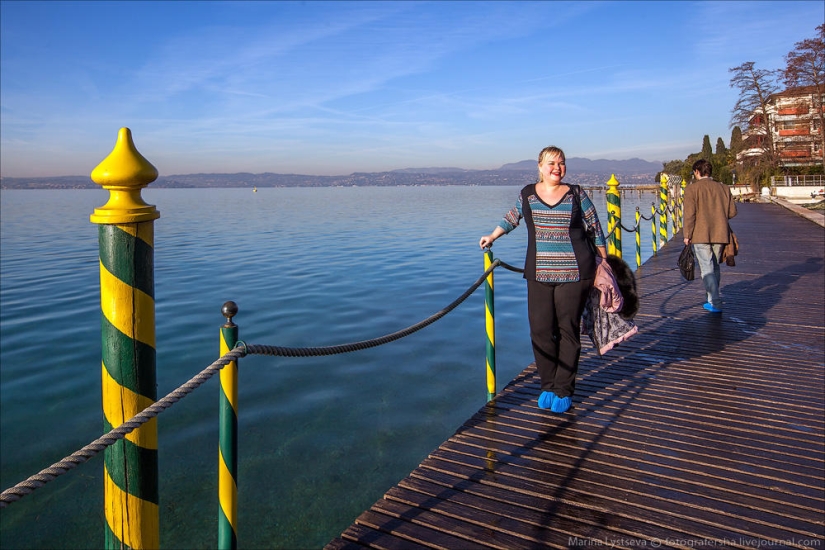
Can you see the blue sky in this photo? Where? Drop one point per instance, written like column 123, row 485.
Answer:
column 331, row 88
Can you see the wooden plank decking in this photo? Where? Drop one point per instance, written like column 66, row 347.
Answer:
column 701, row 431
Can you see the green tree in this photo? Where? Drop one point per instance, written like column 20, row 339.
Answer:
column 723, row 173
column 673, row 167
column 721, row 163
column 736, row 147
column 721, row 150
column 707, row 152
column 736, row 144
column 687, row 167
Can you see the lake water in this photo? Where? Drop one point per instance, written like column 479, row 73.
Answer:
column 320, row 439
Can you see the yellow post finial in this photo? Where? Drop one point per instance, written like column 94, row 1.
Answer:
column 124, row 173
column 612, row 182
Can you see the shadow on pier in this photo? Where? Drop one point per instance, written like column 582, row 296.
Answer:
column 700, row 430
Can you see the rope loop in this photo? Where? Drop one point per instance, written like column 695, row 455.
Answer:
column 241, row 345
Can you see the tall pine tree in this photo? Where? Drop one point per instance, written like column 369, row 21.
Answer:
column 721, row 163
column 707, row 152
column 721, row 150
column 736, row 141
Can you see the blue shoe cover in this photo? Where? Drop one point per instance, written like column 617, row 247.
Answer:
column 708, row 306
column 561, row 404
column 546, row 399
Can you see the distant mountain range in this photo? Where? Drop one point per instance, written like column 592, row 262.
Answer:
column 579, row 170
column 577, row 165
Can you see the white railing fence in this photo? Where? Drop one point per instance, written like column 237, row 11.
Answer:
column 789, row 181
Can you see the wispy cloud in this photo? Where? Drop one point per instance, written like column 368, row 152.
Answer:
column 752, row 31
column 269, row 83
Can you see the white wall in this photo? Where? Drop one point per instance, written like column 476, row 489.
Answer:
column 799, row 194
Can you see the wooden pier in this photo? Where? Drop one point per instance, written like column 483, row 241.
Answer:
column 701, row 431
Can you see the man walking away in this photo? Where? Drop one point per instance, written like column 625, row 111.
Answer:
column 708, row 207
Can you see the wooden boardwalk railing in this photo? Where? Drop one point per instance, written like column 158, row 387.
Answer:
column 701, row 431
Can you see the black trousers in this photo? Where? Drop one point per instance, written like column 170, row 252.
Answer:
column 555, row 311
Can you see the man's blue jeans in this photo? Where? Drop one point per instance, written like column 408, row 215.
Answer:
column 707, row 257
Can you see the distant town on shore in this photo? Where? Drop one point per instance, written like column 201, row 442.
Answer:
column 585, row 172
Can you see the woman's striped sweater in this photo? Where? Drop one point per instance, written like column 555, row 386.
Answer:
column 555, row 258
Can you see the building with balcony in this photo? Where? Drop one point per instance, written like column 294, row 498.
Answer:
column 794, row 118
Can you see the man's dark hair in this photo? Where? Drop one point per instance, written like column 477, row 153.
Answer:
column 704, row 168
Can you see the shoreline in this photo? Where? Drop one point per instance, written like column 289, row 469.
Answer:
column 588, row 186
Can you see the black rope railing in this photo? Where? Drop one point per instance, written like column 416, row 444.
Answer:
column 29, row 485
column 509, row 267
column 281, row 351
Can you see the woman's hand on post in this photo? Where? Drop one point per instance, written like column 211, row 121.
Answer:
column 487, row 240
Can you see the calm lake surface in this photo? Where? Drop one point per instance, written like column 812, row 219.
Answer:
column 320, row 439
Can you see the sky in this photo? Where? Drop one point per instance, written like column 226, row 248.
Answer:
column 332, row 88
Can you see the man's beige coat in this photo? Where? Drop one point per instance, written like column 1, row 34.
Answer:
column 707, row 208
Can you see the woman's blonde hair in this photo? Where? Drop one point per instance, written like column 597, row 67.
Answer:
column 551, row 151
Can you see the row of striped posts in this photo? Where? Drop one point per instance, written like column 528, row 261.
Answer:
column 126, row 246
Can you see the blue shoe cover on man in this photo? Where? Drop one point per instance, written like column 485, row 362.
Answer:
column 708, row 306
column 561, row 404
column 546, row 399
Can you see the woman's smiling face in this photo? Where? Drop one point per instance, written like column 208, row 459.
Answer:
column 552, row 169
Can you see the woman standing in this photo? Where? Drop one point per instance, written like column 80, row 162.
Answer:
column 560, row 269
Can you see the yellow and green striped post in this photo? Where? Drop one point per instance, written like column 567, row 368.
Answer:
column 490, row 325
column 228, row 437
column 127, row 302
column 682, row 202
column 663, row 209
column 638, row 238
column 653, row 239
column 677, row 217
column 614, row 217
column 676, row 205
column 674, row 216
